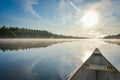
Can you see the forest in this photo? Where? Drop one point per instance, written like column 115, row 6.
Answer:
column 15, row 32
column 117, row 36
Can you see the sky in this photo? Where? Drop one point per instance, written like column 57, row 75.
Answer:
column 83, row 18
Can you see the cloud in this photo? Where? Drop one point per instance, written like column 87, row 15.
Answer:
column 106, row 8
column 74, row 6
column 68, row 12
column 28, row 6
column 69, row 17
column 61, row 5
column 109, row 11
column 67, row 4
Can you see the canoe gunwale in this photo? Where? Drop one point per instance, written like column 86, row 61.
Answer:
column 82, row 66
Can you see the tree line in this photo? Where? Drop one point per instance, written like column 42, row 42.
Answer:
column 15, row 32
column 117, row 36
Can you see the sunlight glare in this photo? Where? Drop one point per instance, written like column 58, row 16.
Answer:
column 86, row 56
column 90, row 19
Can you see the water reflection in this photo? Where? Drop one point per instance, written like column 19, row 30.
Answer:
column 86, row 56
column 55, row 62
column 17, row 44
column 113, row 41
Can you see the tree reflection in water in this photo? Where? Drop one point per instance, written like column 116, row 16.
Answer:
column 17, row 44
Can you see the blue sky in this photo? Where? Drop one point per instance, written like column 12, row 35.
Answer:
column 62, row 16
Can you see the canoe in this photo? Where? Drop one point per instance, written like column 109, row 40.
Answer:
column 97, row 67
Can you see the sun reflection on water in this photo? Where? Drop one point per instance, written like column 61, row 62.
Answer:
column 86, row 56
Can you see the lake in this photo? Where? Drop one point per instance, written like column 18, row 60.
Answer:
column 50, row 59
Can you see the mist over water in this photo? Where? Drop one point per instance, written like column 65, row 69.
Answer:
column 50, row 59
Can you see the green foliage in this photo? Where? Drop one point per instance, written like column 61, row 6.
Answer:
column 14, row 32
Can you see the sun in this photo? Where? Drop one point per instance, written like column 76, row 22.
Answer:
column 90, row 18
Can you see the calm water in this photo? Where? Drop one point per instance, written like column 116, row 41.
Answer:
column 50, row 61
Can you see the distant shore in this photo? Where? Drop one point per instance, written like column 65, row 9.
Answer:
column 16, row 32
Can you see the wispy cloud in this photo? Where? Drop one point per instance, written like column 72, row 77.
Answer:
column 106, row 10
column 61, row 5
column 73, row 5
column 69, row 14
column 28, row 6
